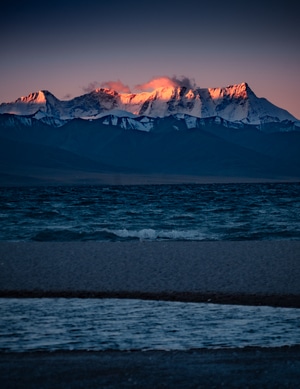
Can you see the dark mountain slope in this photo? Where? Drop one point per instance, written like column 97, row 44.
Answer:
column 90, row 146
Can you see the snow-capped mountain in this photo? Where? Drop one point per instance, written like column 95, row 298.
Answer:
column 174, row 132
column 234, row 104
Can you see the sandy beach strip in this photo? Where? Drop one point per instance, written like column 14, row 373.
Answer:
column 246, row 272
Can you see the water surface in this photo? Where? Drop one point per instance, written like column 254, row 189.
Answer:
column 123, row 324
column 151, row 212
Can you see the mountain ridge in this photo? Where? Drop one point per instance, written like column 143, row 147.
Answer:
column 235, row 103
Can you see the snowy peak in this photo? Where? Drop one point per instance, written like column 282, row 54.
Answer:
column 36, row 97
column 234, row 103
column 41, row 97
column 29, row 105
column 239, row 91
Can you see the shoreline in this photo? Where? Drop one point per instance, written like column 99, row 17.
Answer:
column 245, row 272
column 240, row 272
column 52, row 177
column 279, row 301
column 200, row 368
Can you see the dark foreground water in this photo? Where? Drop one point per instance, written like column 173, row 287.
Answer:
column 154, row 212
column 114, row 324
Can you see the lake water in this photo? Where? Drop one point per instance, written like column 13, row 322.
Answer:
column 153, row 212
column 123, row 324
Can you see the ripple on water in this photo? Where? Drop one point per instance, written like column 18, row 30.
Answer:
column 123, row 324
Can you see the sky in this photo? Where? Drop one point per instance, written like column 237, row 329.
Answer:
column 71, row 47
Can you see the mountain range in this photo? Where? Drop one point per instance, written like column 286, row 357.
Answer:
column 235, row 103
column 170, row 134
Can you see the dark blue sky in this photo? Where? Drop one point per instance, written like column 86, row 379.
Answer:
column 69, row 46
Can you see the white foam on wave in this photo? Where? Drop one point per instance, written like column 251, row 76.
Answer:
column 151, row 234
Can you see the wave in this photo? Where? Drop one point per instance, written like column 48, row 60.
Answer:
column 119, row 234
column 151, row 234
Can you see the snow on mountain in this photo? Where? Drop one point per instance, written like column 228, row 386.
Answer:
column 129, row 123
column 235, row 103
column 30, row 104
